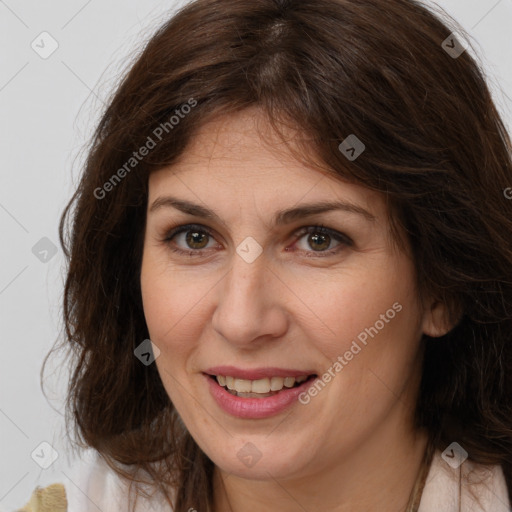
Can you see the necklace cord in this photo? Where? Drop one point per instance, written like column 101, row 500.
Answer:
column 417, row 491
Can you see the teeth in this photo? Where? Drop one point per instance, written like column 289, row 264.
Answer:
column 261, row 386
column 276, row 383
column 289, row 382
column 243, row 386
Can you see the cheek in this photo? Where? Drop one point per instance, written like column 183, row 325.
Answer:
column 170, row 300
column 378, row 353
column 367, row 301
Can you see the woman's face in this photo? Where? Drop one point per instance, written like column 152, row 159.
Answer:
column 260, row 289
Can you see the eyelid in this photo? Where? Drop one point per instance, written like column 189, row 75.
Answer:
column 186, row 227
column 320, row 228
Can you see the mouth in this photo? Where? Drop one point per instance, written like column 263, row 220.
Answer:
column 260, row 388
column 257, row 393
column 257, row 401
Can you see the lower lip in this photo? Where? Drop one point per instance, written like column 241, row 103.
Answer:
column 255, row 408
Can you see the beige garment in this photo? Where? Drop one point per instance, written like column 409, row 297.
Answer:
column 49, row 499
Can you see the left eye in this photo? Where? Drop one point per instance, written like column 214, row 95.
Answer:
column 320, row 239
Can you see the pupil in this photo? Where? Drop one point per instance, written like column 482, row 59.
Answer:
column 194, row 237
column 318, row 238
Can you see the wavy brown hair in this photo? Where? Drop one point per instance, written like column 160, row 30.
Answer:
column 436, row 147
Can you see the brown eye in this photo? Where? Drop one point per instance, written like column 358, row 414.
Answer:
column 319, row 241
column 189, row 239
column 196, row 239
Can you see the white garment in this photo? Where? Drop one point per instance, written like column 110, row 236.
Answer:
column 94, row 487
column 453, row 490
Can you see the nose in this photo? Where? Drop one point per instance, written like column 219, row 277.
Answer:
column 250, row 304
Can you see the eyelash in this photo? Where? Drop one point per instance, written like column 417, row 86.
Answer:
column 344, row 240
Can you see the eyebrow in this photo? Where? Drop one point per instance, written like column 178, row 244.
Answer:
column 280, row 218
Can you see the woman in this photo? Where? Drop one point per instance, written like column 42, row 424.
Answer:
column 290, row 264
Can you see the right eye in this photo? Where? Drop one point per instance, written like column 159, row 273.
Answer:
column 189, row 239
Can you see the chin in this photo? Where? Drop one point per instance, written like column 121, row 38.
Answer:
column 259, row 464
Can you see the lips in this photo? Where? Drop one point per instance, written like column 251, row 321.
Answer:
column 252, row 407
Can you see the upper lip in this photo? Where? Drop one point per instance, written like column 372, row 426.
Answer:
column 257, row 373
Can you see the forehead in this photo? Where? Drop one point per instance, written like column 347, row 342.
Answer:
column 242, row 145
column 239, row 158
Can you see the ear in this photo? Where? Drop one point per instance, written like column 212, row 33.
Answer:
column 439, row 319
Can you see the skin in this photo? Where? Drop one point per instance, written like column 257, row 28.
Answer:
column 292, row 308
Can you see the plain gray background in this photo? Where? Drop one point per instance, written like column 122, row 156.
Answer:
column 48, row 109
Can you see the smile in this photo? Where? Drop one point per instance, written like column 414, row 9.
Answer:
column 258, row 388
column 256, row 399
